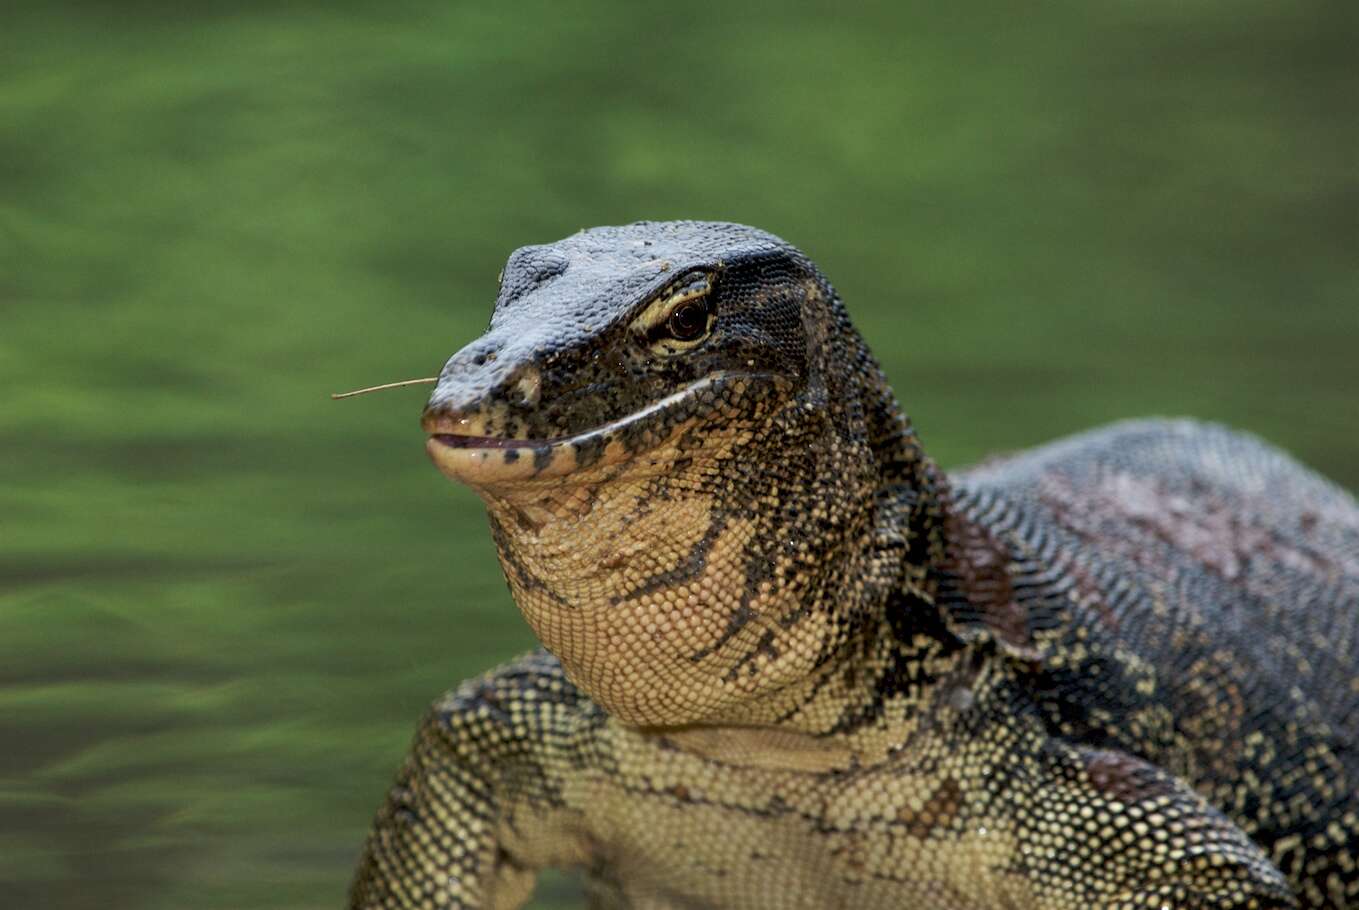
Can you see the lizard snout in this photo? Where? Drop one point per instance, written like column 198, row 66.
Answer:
column 484, row 390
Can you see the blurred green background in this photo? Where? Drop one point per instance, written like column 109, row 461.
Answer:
column 225, row 600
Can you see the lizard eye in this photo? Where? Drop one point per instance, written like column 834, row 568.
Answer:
column 689, row 320
column 678, row 318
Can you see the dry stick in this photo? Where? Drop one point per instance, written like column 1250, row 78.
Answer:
column 386, row 385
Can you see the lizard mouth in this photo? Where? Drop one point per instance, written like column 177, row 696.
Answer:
column 462, row 454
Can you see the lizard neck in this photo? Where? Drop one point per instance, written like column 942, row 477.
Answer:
column 876, row 704
column 694, row 611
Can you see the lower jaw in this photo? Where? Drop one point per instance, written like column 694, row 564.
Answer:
column 508, row 462
column 496, row 465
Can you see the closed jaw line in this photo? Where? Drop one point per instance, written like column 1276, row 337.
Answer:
column 478, row 460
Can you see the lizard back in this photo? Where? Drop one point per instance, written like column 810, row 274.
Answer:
column 1193, row 594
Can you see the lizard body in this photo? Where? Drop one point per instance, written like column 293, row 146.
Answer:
column 790, row 663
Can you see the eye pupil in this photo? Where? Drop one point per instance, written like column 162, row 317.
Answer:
column 688, row 321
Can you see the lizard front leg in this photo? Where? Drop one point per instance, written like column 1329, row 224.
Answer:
column 1106, row 829
column 476, row 809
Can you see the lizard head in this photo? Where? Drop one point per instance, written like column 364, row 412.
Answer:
column 680, row 440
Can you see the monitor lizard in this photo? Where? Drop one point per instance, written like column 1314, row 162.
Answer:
column 789, row 662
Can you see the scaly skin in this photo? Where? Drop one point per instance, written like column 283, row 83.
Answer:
column 790, row 664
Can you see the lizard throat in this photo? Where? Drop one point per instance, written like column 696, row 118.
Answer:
column 672, row 598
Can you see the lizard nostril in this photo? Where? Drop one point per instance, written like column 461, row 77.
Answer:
column 528, row 387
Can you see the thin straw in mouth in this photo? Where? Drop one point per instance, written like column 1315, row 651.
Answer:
column 430, row 380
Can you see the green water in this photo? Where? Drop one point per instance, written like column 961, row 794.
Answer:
column 224, row 599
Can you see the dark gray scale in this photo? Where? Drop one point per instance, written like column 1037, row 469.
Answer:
column 1230, row 576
